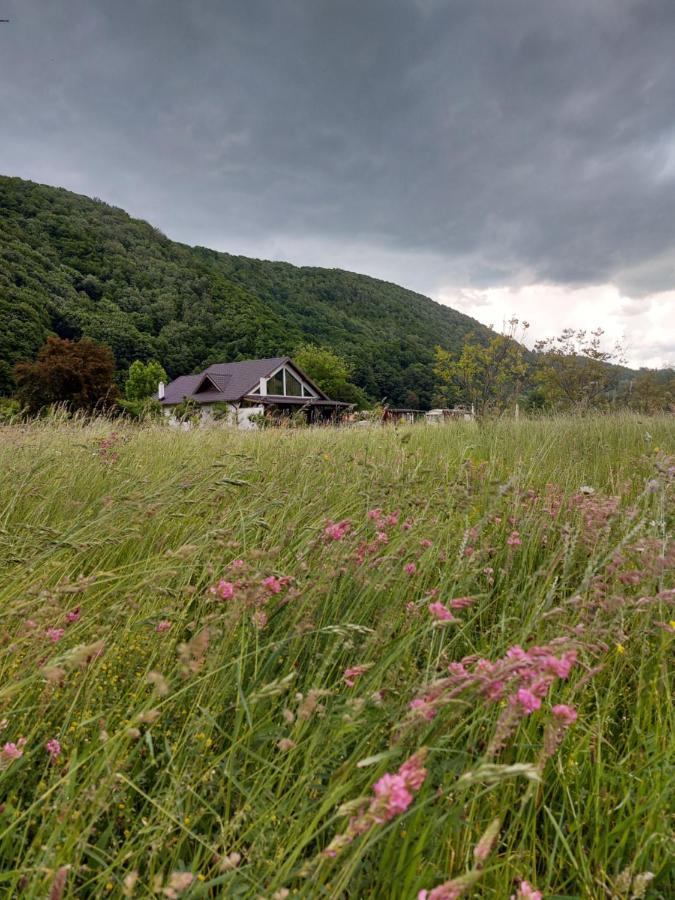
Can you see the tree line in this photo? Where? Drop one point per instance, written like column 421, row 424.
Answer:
column 571, row 372
column 80, row 271
column 78, row 268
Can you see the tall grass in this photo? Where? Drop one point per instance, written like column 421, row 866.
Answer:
column 207, row 746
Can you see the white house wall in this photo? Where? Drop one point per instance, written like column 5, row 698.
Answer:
column 245, row 414
column 240, row 417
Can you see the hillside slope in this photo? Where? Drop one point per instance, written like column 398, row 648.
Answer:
column 76, row 266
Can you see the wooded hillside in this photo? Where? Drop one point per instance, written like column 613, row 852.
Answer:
column 76, row 266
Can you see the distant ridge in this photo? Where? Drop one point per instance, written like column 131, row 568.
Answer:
column 75, row 266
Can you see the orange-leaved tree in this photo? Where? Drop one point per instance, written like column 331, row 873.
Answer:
column 79, row 374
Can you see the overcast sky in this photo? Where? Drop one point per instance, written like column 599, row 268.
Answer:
column 503, row 156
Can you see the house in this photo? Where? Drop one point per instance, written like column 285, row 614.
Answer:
column 457, row 413
column 254, row 387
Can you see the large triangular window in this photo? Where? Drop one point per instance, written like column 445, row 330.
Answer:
column 286, row 383
column 293, row 386
column 275, row 384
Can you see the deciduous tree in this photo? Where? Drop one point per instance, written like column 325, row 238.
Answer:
column 489, row 375
column 143, row 379
column 652, row 390
column 80, row 374
column 330, row 372
column 574, row 369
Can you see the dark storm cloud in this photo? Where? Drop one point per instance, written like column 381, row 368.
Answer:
column 509, row 141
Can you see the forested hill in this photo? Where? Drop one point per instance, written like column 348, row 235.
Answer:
column 75, row 267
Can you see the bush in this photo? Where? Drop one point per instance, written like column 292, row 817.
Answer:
column 10, row 410
column 141, row 410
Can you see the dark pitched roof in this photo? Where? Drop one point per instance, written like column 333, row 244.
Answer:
column 228, row 382
column 220, row 381
column 180, row 388
column 244, row 376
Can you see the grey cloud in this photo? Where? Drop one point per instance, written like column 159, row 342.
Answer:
column 635, row 307
column 504, row 142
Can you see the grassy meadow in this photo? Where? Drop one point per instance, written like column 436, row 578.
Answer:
column 369, row 663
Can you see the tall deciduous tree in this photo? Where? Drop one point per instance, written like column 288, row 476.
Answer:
column 574, row 369
column 487, row 375
column 80, row 374
column 330, row 372
column 143, row 379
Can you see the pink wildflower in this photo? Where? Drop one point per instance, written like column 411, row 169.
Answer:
column 382, row 537
column 523, row 677
column 514, row 540
column 451, row 890
column 525, row 890
column 54, row 634
column 163, row 626
column 412, row 772
column 440, row 612
column 563, row 717
column 411, row 568
column 495, row 690
column 337, row 530
column 395, row 791
column 53, row 748
column 561, row 667
column 272, row 584
column 461, row 602
column 352, row 673
column 375, row 514
column 259, row 619
column 426, row 543
column 394, row 797
column 74, row 615
column 527, row 700
column 30, row 623
column 407, row 525
column 393, row 518
column 224, row 589
column 422, row 707
column 12, row 750
column 566, row 715
column 237, row 564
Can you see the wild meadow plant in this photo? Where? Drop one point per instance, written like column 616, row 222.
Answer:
column 409, row 663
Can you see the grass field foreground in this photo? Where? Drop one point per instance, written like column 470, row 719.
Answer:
column 378, row 663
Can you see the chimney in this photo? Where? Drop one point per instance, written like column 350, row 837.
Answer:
column 160, row 391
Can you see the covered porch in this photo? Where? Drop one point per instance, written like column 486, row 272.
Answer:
column 317, row 410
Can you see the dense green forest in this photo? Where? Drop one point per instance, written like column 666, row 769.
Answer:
column 74, row 267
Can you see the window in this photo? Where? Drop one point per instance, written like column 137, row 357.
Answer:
column 293, row 386
column 206, row 385
column 285, row 384
column 275, row 384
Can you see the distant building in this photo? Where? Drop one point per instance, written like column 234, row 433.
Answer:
column 245, row 390
column 438, row 416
